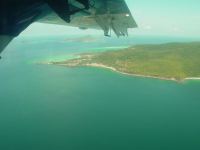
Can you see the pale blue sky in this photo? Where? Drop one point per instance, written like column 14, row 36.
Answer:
column 154, row 17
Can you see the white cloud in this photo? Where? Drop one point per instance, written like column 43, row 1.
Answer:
column 176, row 29
column 147, row 27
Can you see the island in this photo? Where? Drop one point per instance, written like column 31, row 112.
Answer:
column 170, row 61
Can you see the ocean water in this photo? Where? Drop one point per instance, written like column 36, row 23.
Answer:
column 46, row 107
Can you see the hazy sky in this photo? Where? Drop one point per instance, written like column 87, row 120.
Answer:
column 154, row 17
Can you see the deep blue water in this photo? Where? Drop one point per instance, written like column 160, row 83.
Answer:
column 44, row 107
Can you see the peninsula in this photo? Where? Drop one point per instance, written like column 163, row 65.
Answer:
column 171, row 61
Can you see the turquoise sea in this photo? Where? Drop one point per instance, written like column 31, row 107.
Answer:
column 46, row 107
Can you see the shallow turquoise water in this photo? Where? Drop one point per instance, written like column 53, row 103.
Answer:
column 44, row 107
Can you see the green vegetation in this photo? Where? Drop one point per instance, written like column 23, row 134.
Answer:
column 171, row 61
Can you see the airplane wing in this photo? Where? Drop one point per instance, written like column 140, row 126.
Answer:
column 102, row 14
column 108, row 15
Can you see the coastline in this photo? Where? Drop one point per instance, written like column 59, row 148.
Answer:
column 129, row 74
column 115, row 70
column 124, row 73
column 139, row 75
column 192, row 78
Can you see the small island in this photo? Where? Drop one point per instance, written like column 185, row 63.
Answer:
column 171, row 61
